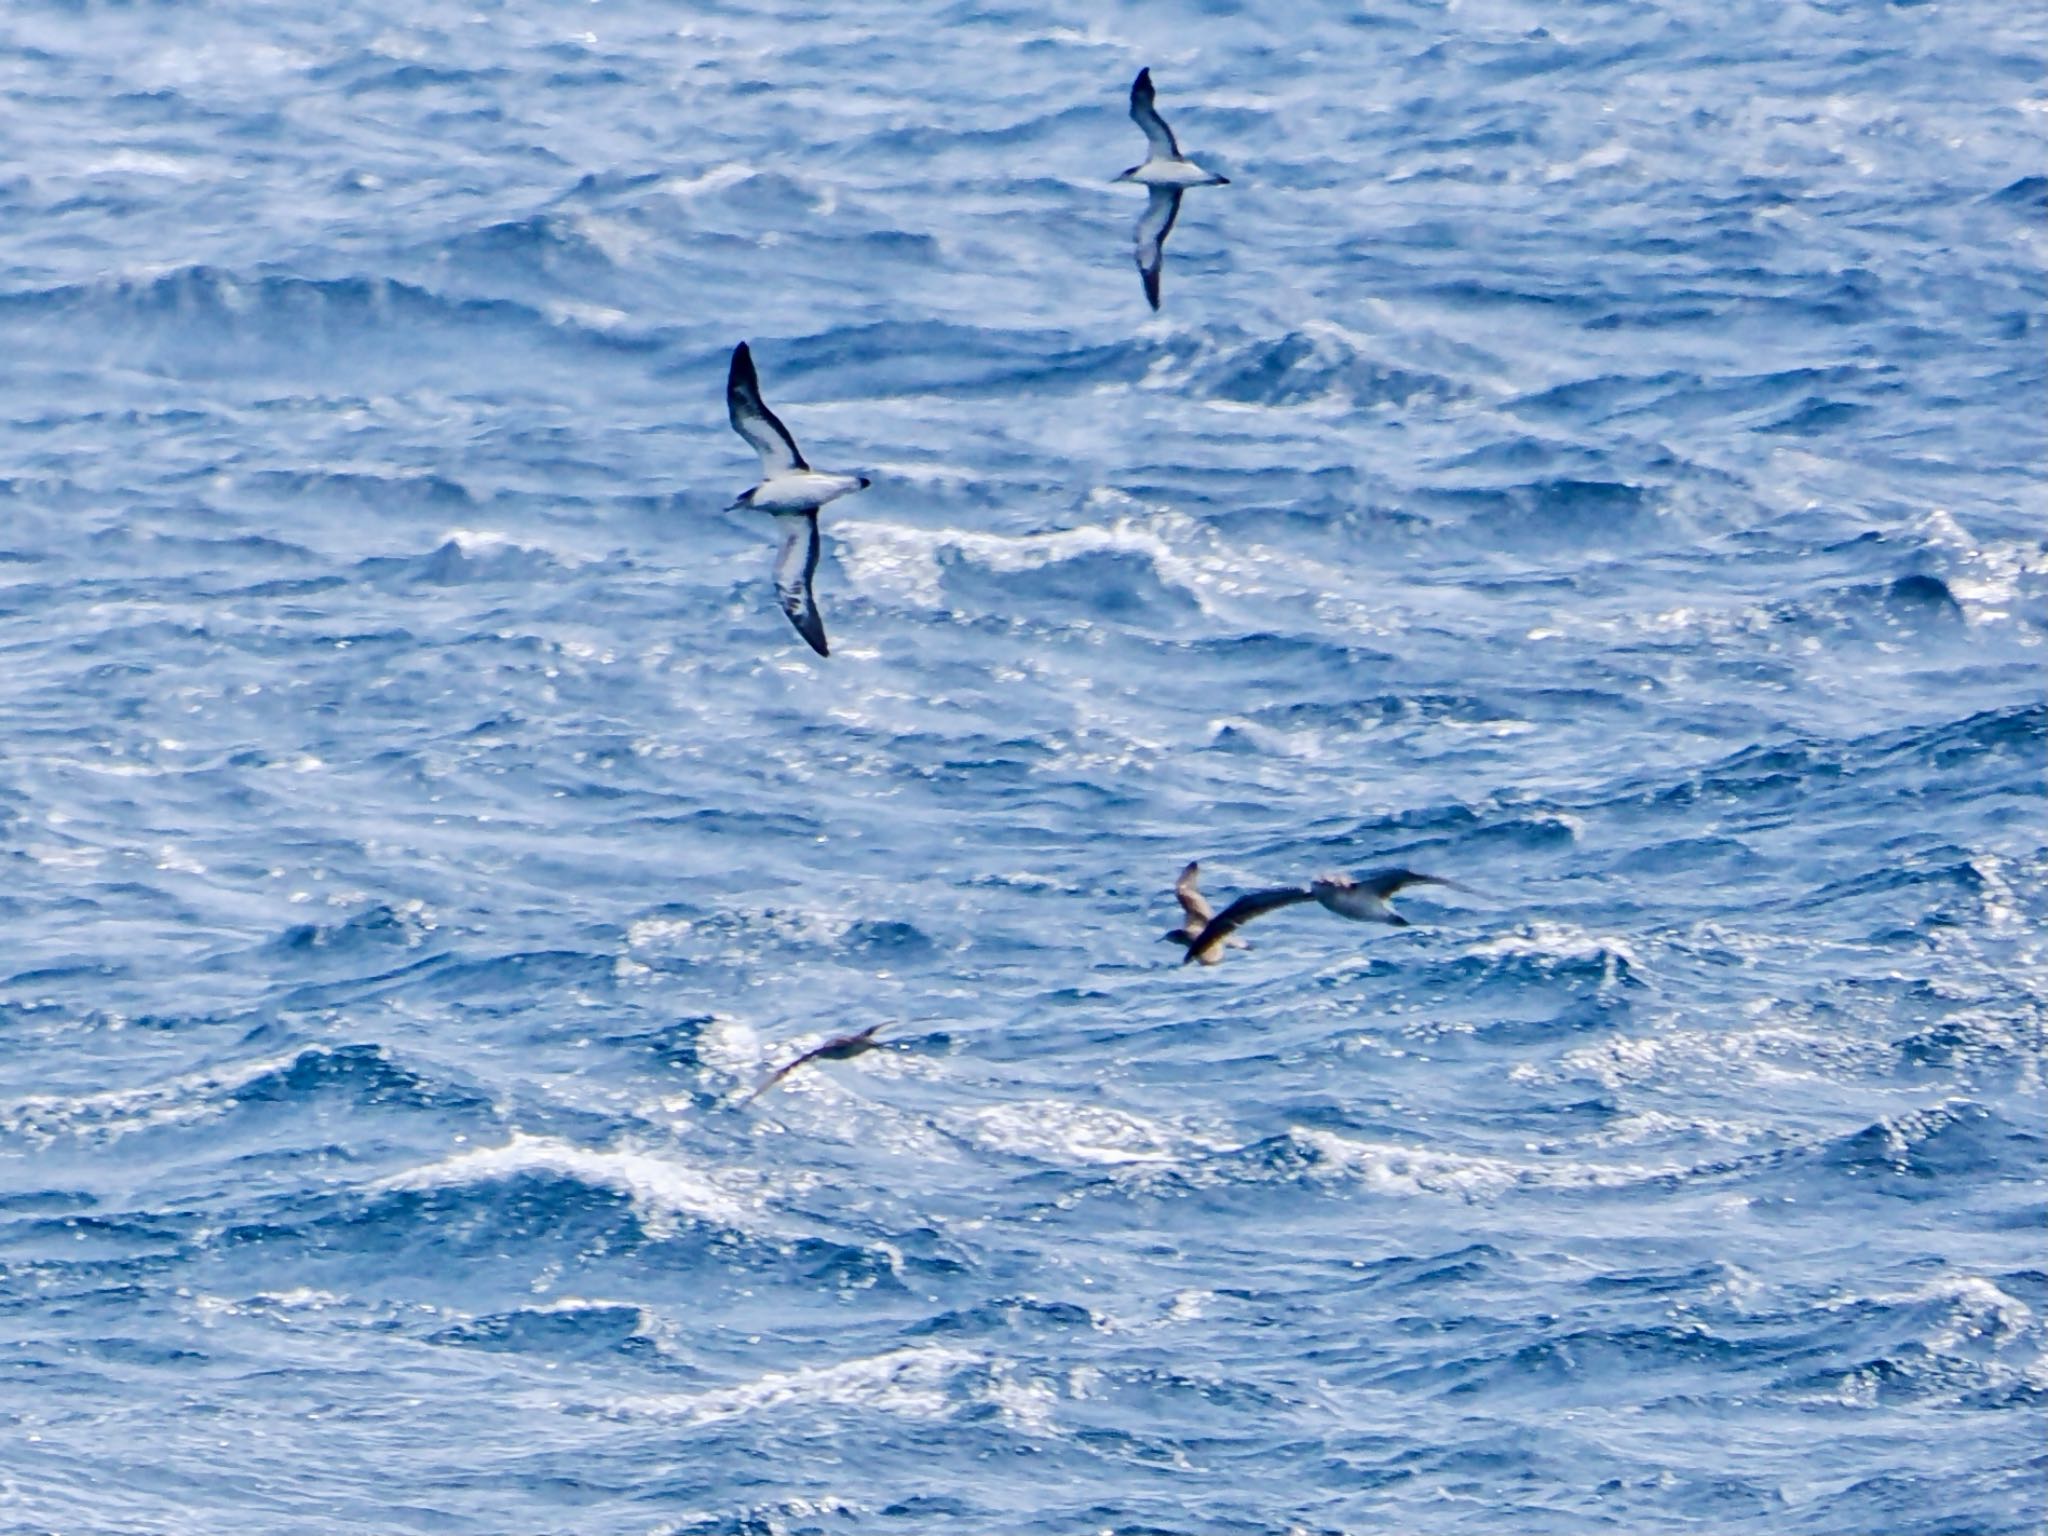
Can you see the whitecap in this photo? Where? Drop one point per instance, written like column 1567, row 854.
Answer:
column 113, row 1113
column 911, row 1382
column 1388, row 1168
column 1081, row 1133
column 662, row 1189
column 1565, row 942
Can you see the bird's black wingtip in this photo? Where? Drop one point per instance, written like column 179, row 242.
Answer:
column 1144, row 81
column 813, row 633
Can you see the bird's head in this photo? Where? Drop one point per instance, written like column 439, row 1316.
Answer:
column 1130, row 175
column 1177, row 936
column 865, row 482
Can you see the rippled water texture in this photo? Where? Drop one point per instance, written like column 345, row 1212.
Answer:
column 1592, row 452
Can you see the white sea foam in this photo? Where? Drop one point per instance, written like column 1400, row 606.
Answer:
column 1973, row 1312
column 654, row 932
column 1561, row 941
column 276, row 1307
column 135, row 162
column 913, row 1382
column 1772, row 1054
column 2004, row 909
column 1653, row 1125
column 1388, row 1168
column 1063, row 1132
column 716, row 179
column 662, row 1188
column 905, row 561
column 113, row 1113
column 479, row 542
column 601, row 318
column 66, row 856
column 1986, row 577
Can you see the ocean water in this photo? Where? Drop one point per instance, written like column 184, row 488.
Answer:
column 1593, row 453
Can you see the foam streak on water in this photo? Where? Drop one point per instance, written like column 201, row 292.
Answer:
column 1594, row 453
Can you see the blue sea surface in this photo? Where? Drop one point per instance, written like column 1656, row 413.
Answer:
column 1593, row 453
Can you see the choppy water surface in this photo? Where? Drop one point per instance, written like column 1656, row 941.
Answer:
column 1594, row 453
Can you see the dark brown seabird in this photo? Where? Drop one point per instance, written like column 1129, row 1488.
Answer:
column 1187, row 889
column 838, row 1048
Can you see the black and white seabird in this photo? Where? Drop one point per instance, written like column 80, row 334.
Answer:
column 1362, row 897
column 1166, row 174
column 838, row 1048
column 790, row 491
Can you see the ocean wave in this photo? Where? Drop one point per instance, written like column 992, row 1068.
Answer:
column 1074, row 1135
column 362, row 1076
column 1414, row 1172
column 663, row 1190
column 1952, row 1341
column 1128, row 568
column 1553, row 952
column 1916, row 1154
column 1319, row 365
column 567, row 1328
column 205, row 321
column 916, row 1381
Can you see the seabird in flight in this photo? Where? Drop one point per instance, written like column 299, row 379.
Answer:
column 1166, row 174
column 1196, row 907
column 790, row 491
column 1363, row 898
column 838, row 1048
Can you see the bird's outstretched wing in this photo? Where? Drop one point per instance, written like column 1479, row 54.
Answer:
column 1147, row 117
column 1192, row 901
column 777, row 1076
column 1385, row 882
column 794, row 564
column 752, row 419
column 1242, row 911
column 1154, row 224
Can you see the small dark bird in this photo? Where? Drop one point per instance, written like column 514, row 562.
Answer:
column 790, row 491
column 1196, row 907
column 838, row 1048
column 1362, row 898
column 1165, row 174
